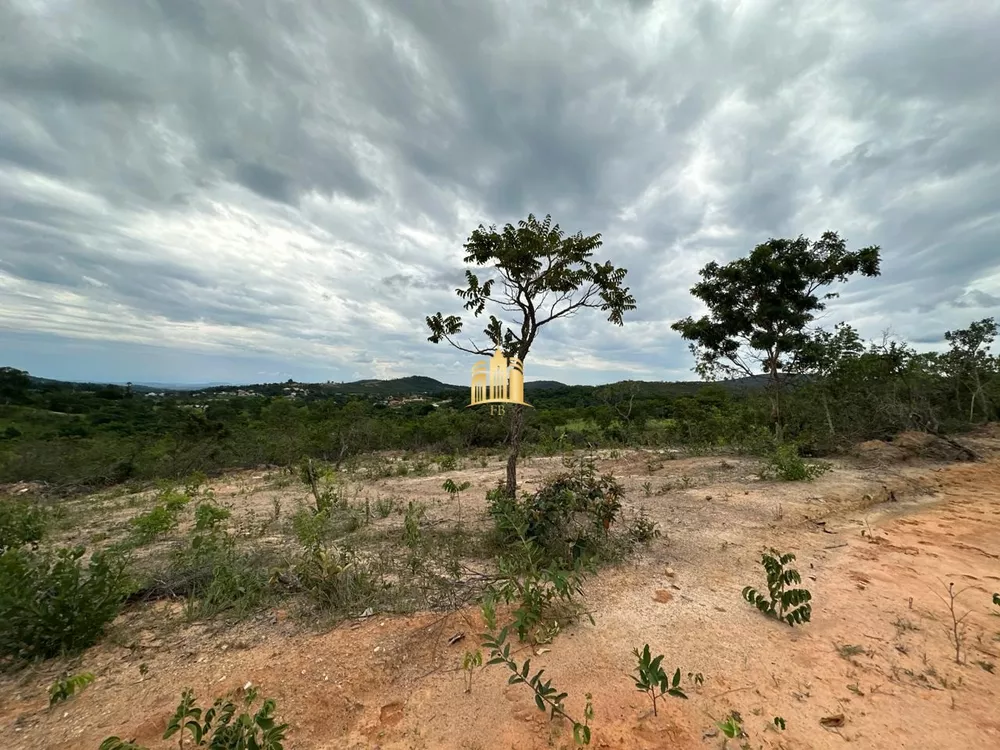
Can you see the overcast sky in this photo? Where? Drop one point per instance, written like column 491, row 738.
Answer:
column 213, row 190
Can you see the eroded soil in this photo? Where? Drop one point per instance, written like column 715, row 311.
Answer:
column 877, row 541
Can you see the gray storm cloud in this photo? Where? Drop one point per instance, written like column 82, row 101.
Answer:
column 294, row 181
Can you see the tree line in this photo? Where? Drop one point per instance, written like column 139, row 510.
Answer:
column 819, row 388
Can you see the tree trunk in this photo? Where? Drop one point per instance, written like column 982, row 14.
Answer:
column 826, row 410
column 774, row 387
column 516, row 428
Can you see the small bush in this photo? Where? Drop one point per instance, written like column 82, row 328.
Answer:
column 49, row 605
column 568, row 518
column 147, row 526
column 219, row 727
column 785, row 463
column 216, row 575
column 20, row 523
column 786, row 604
column 216, row 727
column 337, row 580
column 208, row 516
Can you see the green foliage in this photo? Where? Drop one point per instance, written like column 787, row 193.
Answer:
column 567, row 519
column 471, row 661
column 996, row 599
column 147, row 526
column 117, row 743
column 216, row 574
column 547, row 697
column 651, row 679
column 732, row 727
column 790, row 605
column 544, row 597
column 51, row 605
column 530, row 261
column 762, row 303
column 337, row 580
column 208, row 516
column 220, row 728
column 786, row 464
column 760, row 307
column 67, row 686
column 779, row 723
column 21, row 523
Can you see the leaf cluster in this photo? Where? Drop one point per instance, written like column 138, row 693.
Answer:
column 547, row 697
column 539, row 274
column 51, row 604
column 65, row 687
column 760, row 305
column 789, row 605
column 21, row 523
column 650, row 677
column 220, row 728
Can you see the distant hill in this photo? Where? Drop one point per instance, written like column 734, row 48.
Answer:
column 543, row 385
column 413, row 385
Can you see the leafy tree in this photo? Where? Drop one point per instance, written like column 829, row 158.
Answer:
column 14, row 385
column 825, row 355
column 760, row 307
column 538, row 274
column 969, row 357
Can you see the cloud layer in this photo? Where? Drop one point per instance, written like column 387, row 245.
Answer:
column 197, row 190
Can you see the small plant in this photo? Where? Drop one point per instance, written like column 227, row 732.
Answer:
column 384, row 506
column 547, row 698
column 455, row 491
column 66, row 686
column 470, row 662
column 652, row 680
column 697, row 678
column 208, row 516
column 641, row 529
column 996, row 599
column 732, row 727
column 411, row 532
column 21, row 523
column 647, row 488
column 258, row 731
column 787, row 604
column 147, row 526
column 779, row 723
column 957, row 631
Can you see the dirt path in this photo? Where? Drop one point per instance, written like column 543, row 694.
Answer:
column 877, row 652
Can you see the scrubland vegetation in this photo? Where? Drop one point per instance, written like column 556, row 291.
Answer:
column 143, row 463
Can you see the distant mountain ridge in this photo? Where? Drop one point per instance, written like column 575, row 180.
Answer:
column 414, row 385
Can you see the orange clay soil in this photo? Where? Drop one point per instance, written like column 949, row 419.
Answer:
column 877, row 540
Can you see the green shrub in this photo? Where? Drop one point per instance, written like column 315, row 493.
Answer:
column 221, row 729
column 208, row 516
column 337, row 580
column 49, row 605
column 147, row 526
column 20, row 523
column 786, row 604
column 568, row 518
column 218, row 576
column 785, row 463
